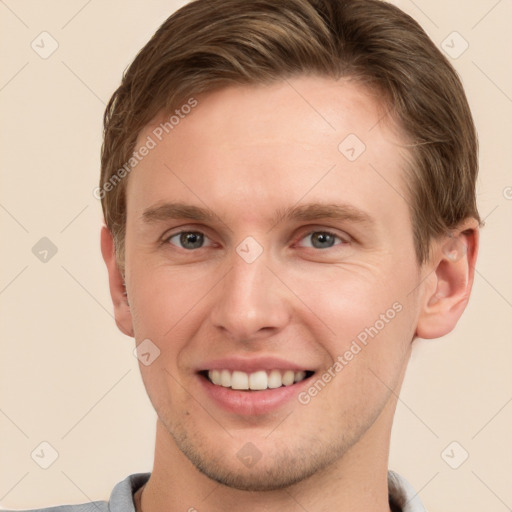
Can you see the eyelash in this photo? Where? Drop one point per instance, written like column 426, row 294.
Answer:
column 338, row 239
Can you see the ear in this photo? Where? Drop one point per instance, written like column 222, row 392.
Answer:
column 122, row 311
column 453, row 270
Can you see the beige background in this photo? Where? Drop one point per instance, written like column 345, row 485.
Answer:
column 69, row 378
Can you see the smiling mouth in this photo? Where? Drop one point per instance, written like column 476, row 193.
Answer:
column 255, row 381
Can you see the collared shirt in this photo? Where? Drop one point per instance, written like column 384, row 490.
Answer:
column 401, row 496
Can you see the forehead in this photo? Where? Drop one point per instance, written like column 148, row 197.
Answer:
column 252, row 149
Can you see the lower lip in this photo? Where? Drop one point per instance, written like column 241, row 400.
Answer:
column 251, row 403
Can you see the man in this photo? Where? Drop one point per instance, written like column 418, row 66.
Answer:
column 289, row 196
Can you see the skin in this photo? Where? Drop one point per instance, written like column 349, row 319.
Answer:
column 247, row 154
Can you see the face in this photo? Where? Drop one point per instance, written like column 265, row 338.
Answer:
column 270, row 259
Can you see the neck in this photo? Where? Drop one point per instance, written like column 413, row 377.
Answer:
column 357, row 482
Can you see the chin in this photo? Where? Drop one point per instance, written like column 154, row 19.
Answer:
column 274, row 467
column 283, row 471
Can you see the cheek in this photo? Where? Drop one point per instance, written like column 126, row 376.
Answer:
column 348, row 299
column 165, row 308
column 164, row 299
column 363, row 318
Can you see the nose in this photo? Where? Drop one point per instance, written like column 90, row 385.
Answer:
column 251, row 303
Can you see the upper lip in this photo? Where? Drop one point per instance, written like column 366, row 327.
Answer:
column 252, row 364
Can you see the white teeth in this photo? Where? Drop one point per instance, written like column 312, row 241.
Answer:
column 299, row 376
column 288, row 378
column 239, row 380
column 258, row 380
column 274, row 379
column 225, row 378
column 215, row 377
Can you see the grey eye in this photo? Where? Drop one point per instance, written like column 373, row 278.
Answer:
column 188, row 240
column 321, row 240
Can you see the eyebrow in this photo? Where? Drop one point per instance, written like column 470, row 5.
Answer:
column 170, row 211
column 307, row 212
column 316, row 211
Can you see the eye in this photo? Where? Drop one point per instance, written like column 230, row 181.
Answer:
column 189, row 240
column 320, row 240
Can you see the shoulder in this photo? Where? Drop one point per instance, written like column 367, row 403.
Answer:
column 402, row 495
column 121, row 499
column 92, row 506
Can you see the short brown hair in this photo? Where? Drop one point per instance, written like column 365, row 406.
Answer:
column 209, row 44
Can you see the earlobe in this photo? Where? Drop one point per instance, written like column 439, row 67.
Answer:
column 454, row 258
column 117, row 287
